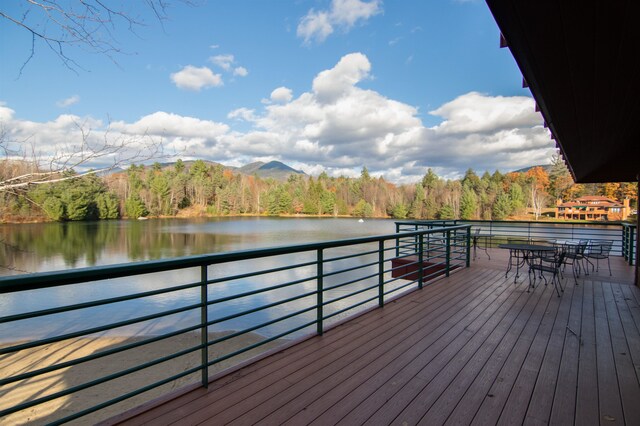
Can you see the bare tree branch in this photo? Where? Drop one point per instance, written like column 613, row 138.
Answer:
column 86, row 24
column 110, row 150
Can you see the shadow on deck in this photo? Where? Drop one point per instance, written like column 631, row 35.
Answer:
column 471, row 348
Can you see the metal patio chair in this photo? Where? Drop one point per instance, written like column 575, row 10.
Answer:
column 599, row 250
column 552, row 265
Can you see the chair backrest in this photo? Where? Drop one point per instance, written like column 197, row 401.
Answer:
column 560, row 259
column 477, row 232
column 604, row 247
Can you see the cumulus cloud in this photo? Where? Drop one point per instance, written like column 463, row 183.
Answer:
column 474, row 112
column 344, row 14
column 172, row 125
column 72, row 100
column 338, row 81
column 196, row 78
column 281, row 95
column 338, row 127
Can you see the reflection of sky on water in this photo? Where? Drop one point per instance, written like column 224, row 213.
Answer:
column 274, row 232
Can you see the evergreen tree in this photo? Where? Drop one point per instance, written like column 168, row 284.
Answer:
column 501, row 207
column 134, row 207
column 429, row 180
column 107, row 205
column 417, row 205
column 399, row 211
column 54, row 208
column 516, row 195
column 468, row 203
column 446, row 212
column 362, row 209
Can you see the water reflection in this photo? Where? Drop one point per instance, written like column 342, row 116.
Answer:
column 55, row 246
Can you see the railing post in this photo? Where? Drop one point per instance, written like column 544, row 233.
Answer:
column 398, row 239
column 320, row 289
column 420, row 259
column 204, row 319
column 448, row 248
column 381, row 273
column 469, row 246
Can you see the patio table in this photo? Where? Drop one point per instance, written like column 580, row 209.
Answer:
column 528, row 252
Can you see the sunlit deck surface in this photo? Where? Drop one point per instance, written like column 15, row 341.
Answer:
column 474, row 348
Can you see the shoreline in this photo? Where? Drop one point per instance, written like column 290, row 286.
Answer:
column 55, row 353
column 198, row 216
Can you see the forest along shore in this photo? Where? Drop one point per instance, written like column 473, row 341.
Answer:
column 199, row 188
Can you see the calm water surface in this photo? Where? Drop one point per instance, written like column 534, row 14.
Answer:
column 28, row 248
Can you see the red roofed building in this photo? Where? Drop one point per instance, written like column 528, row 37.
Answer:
column 593, row 208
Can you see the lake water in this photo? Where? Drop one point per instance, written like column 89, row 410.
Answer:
column 28, row 248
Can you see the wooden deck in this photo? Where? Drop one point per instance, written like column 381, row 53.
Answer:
column 474, row 348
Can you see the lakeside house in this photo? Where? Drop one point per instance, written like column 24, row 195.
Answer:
column 593, row 208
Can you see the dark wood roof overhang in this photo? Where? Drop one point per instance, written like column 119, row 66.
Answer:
column 581, row 61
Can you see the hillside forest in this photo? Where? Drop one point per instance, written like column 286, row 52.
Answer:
column 205, row 189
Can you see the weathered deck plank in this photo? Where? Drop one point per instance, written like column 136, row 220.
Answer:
column 471, row 348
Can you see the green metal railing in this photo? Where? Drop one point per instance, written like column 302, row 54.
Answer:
column 498, row 232
column 303, row 289
column 629, row 232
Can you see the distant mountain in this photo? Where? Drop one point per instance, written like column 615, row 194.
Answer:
column 547, row 168
column 272, row 169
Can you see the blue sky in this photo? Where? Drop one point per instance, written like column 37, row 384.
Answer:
column 333, row 85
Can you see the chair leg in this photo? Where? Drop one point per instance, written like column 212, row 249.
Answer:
column 557, row 283
column 609, row 263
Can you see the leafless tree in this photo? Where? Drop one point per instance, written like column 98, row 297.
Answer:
column 91, row 25
column 24, row 165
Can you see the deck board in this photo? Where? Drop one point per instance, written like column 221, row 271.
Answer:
column 474, row 348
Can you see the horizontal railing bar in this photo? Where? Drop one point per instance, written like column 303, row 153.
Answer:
column 259, row 273
column 256, row 327
column 260, row 308
column 349, row 256
column 333, row 314
column 260, row 343
column 93, row 330
column 260, row 290
column 96, row 382
column 353, row 268
column 83, row 275
column 97, row 355
column 346, row 296
column 353, row 281
column 85, row 305
column 126, row 396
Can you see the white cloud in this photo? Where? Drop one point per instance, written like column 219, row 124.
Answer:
column 172, row 125
column 223, row 61
column 226, row 62
column 72, row 100
column 333, row 83
column 336, row 126
column 245, row 114
column 318, row 25
column 196, row 79
column 474, row 112
column 281, row 95
column 240, row 71
column 315, row 26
